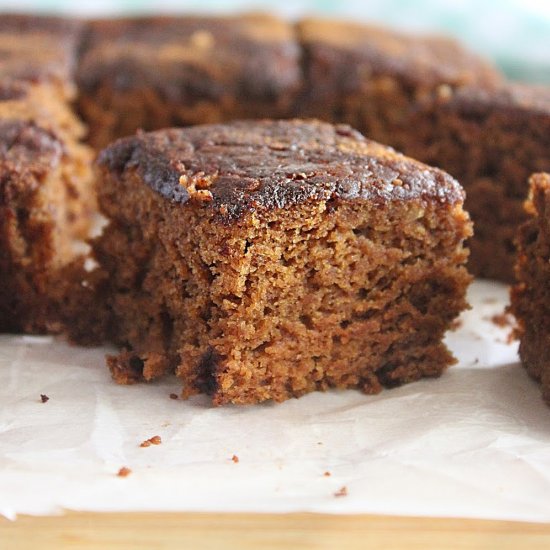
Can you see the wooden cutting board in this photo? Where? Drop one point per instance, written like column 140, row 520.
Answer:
column 201, row 531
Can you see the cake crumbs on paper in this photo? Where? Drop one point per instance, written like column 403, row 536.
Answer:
column 173, row 396
column 155, row 440
column 124, row 472
column 327, row 474
column 342, row 492
column 502, row 320
column 235, row 459
column 44, row 398
column 455, row 324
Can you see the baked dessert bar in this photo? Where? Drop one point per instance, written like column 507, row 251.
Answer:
column 433, row 100
column 47, row 199
column 262, row 260
column 374, row 78
column 39, row 55
column 531, row 295
column 156, row 72
column 492, row 141
column 43, row 196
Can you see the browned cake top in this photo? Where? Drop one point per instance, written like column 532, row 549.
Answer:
column 37, row 48
column 513, row 98
column 348, row 53
column 255, row 165
column 250, row 56
column 25, row 149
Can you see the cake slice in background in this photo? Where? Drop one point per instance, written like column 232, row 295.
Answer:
column 47, row 200
column 263, row 260
column 157, row 72
column 492, row 141
column 435, row 101
column 39, row 56
column 531, row 295
column 375, row 77
column 39, row 224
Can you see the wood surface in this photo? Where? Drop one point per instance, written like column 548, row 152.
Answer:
column 201, row 531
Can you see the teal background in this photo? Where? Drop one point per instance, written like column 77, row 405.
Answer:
column 514, row 33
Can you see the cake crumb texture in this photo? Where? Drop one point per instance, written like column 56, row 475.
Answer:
column 323, row 260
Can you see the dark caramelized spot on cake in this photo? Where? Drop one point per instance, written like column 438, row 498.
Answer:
column 384, row 375
column 248, row 174
column 136, row 365
column 206, row 373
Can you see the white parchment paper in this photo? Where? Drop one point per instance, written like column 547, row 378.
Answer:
column 474, row 443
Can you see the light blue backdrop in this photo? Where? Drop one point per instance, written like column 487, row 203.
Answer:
column 516, row 33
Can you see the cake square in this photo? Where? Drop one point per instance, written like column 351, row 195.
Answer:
column 46, row 202
column 529, row 297
column 492, row 141
column 47, row 199
column 430, row 98
column 262, row 260
column 156, row 72
column 374, row 78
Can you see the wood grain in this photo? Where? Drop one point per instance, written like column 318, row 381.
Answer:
column 266, row 531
